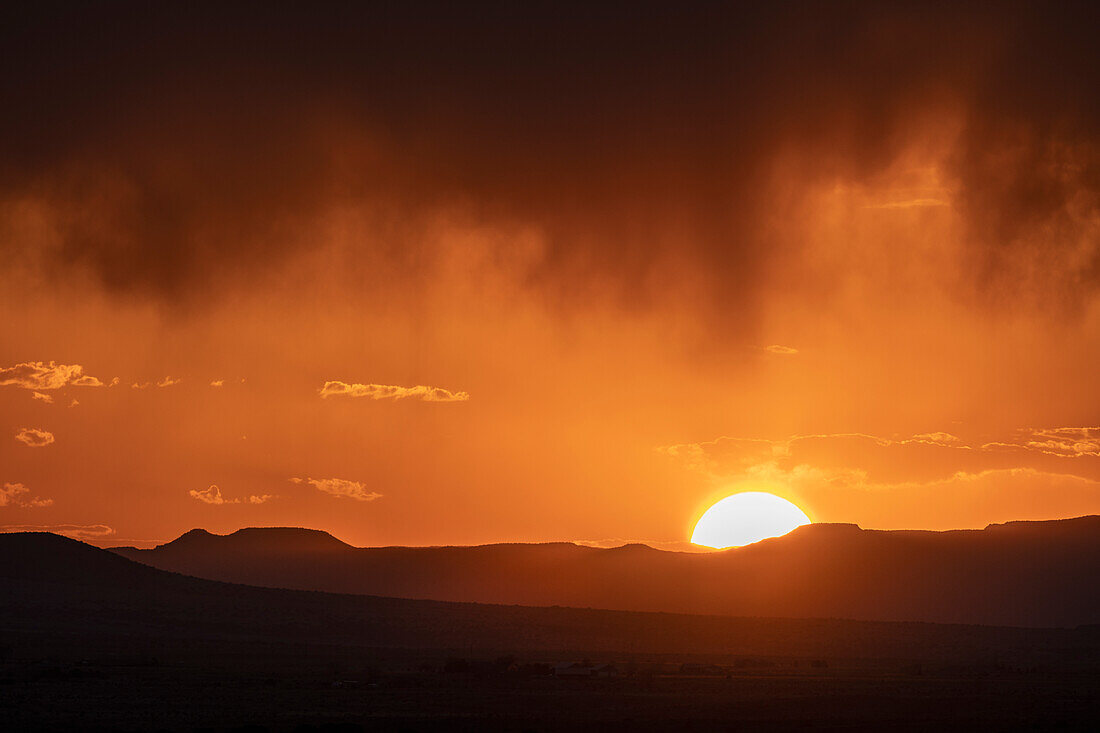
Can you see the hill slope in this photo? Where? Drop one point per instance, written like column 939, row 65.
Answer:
column 63, row 589
column 92, row 641
column 1020, row 573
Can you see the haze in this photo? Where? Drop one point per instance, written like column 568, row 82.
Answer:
column 425, row 279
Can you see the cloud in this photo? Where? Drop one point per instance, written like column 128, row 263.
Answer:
column 939, row 438
column 921, row 456
column 43, row 397
column 74, row 403
column 1036, row 473
column 387, row 391
column 777, row 349
column 34, row 438
column 909, row 204
column 589, row 135
column 12, row 495
column 1067, row 442
column 166, row 382
column 81, row 532
column 217, row 383
column 341, row 487
column 40, row 375
column 213, row 495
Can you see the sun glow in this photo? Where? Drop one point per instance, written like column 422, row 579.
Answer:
column 747, row 517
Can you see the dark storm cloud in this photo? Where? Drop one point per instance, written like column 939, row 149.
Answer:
column 173, row 145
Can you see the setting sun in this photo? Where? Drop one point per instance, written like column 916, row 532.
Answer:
column 745, row 518
column 367, row 364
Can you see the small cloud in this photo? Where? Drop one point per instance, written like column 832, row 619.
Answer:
column 72, row 531
column 114, row 382
column 168, row 382
column 143, row 385
column 12, row 495
column 340, row 487
column 1067, row 442
column 9, row 492
column 909, row 204
column 42, row 397
column 389, row 391
column 218, row 383
column 41, row 375
column 777, row 349
column 34, row 438
column 36, row 502
column 213, row 495
column 939, row 438
column 74, row 403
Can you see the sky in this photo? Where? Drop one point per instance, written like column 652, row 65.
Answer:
column 424, row 274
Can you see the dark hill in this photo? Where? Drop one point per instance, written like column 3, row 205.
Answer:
column 253, row 540
column 92, row 641
column 1019, row 573
column 72, row 594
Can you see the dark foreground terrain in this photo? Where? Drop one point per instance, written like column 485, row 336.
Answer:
column 92, row 641
column 1013, row 574
column 302, row 694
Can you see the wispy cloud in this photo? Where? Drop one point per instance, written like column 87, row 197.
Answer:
column 389, row 391
column 42, row 397
column 34, row 438
column 169, row 382
column 777, row 349
column 218, row 383
column 41, row 375
column 73, row 531
column 1035, row 472
column 1067, row 442
column 734, row 452
column 13, row 495
column 939, row 438
column 213, row 495
column 916, row 203
column 340, row 487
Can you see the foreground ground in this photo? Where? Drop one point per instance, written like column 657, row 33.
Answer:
column 373, row 691
column 90, row 641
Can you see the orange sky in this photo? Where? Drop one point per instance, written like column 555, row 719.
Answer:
column 606, row 271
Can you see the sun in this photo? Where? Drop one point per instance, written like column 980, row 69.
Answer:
column 747, row 517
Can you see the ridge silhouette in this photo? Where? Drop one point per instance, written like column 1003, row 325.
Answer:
column 1016, row 573
column 297, row 539
column 67, row 590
